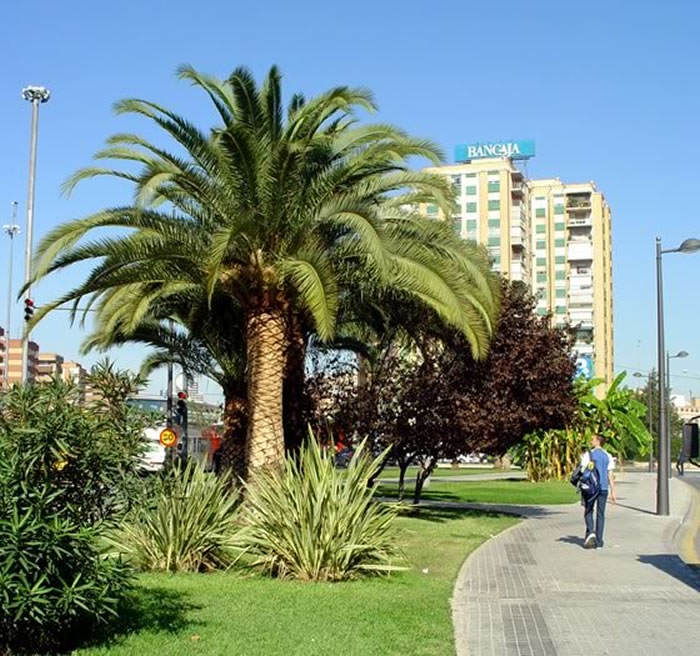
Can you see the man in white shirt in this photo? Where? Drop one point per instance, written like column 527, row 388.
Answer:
column 605, row 465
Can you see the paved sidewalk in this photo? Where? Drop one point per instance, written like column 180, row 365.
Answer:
column 534, row 591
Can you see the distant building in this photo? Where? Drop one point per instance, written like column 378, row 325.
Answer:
column 14, row 361
column 688, row 407
column 49, row 366
column 3, row 356
column 73, row 372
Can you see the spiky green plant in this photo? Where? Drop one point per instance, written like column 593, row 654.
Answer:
column 258, row 223
column 189, row 528
column 314, row 522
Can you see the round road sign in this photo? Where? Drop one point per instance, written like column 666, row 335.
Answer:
column 168, row 438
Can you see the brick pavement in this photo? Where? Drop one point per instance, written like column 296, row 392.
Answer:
column 534, row 591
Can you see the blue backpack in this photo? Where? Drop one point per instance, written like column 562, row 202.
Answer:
column 588, row 480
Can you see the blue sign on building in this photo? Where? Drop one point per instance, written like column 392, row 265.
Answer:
column 522, row 149
column 584, row 366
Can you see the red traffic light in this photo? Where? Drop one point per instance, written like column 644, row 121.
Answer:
column 29, row 303
column 182, row 395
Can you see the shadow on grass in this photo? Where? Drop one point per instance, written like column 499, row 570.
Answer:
column 157, row 610
column 442, row 515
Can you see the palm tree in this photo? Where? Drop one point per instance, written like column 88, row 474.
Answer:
column 270, row 217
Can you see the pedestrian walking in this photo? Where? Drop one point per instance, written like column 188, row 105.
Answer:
column 605, row 465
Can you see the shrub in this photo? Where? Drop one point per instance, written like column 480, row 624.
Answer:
column 314, row 522
column 60, row 483
column 188, row 528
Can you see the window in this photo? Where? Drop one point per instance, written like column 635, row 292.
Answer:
column 541, row 261
column 542, row 292
column 540, row 212
column 560, row 275
column 494, row 204
column 494, row 185
column 541, row 228
column 559, row 259
column 542, row 312
column 470, row 175
column 457, row 225
column 494, row 223
column 539, row 197
column 492, row 172
column 559, row 209
column 541, row 244
column 471, row 224
column 541, row 276
column 432, row 208
column 561, row 293
column 456, row 180
column 471, row 207
column 559, row 243
column 494, row 241
column 559, row 227
column 471, row 190
column 561, row 309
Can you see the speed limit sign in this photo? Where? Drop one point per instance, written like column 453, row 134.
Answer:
column 168, row 438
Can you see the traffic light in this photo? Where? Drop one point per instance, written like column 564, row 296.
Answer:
column 181, row 409
column 28, row 309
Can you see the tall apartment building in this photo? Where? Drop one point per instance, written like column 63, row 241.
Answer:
column 73, row 372
column 492, row 209
column 572, row 252
column 553, row 236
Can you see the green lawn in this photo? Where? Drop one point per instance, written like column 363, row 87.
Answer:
column 508, row 491
column 228, row 613
column 442, row 472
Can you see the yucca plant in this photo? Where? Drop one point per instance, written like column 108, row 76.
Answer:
column 311, row 521
column 189, row 528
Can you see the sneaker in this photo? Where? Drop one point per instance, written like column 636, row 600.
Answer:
column 590, row 542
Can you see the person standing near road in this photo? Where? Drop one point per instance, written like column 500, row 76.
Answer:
column 605, row 465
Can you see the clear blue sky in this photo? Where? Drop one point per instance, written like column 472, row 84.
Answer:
column 607, row 89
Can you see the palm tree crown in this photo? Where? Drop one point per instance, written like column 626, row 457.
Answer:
column 268, row 216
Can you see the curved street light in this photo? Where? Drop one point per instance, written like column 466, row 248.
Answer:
column 664, row 449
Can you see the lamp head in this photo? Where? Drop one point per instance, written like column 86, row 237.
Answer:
column 33, row 93
column 689, row 246
column 681, row 354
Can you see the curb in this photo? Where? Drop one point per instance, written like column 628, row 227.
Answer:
column 684, row 535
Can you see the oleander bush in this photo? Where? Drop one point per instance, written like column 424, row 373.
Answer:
column 61, row 485
column 311, row 521
column 188, row 527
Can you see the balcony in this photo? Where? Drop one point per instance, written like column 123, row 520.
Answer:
column 578, row 203
column 582, row 250
column 580, row 221
column 517, row 237
column 517, row 189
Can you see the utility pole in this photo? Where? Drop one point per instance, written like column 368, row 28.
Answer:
column 36, row 96
column 12, row 229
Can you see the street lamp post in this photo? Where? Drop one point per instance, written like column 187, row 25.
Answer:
column 36, row 96
column 662, row 506
column 669, row 408
column 12, row 229
column 649, row 421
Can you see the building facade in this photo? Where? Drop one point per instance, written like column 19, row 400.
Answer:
column 551, row 235
column 49, row 366
column 14, row 361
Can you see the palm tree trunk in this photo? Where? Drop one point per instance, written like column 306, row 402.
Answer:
column 233, row 451
column 266, row 346
column 296, row 404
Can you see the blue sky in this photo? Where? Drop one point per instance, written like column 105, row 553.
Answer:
column 608, row 91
